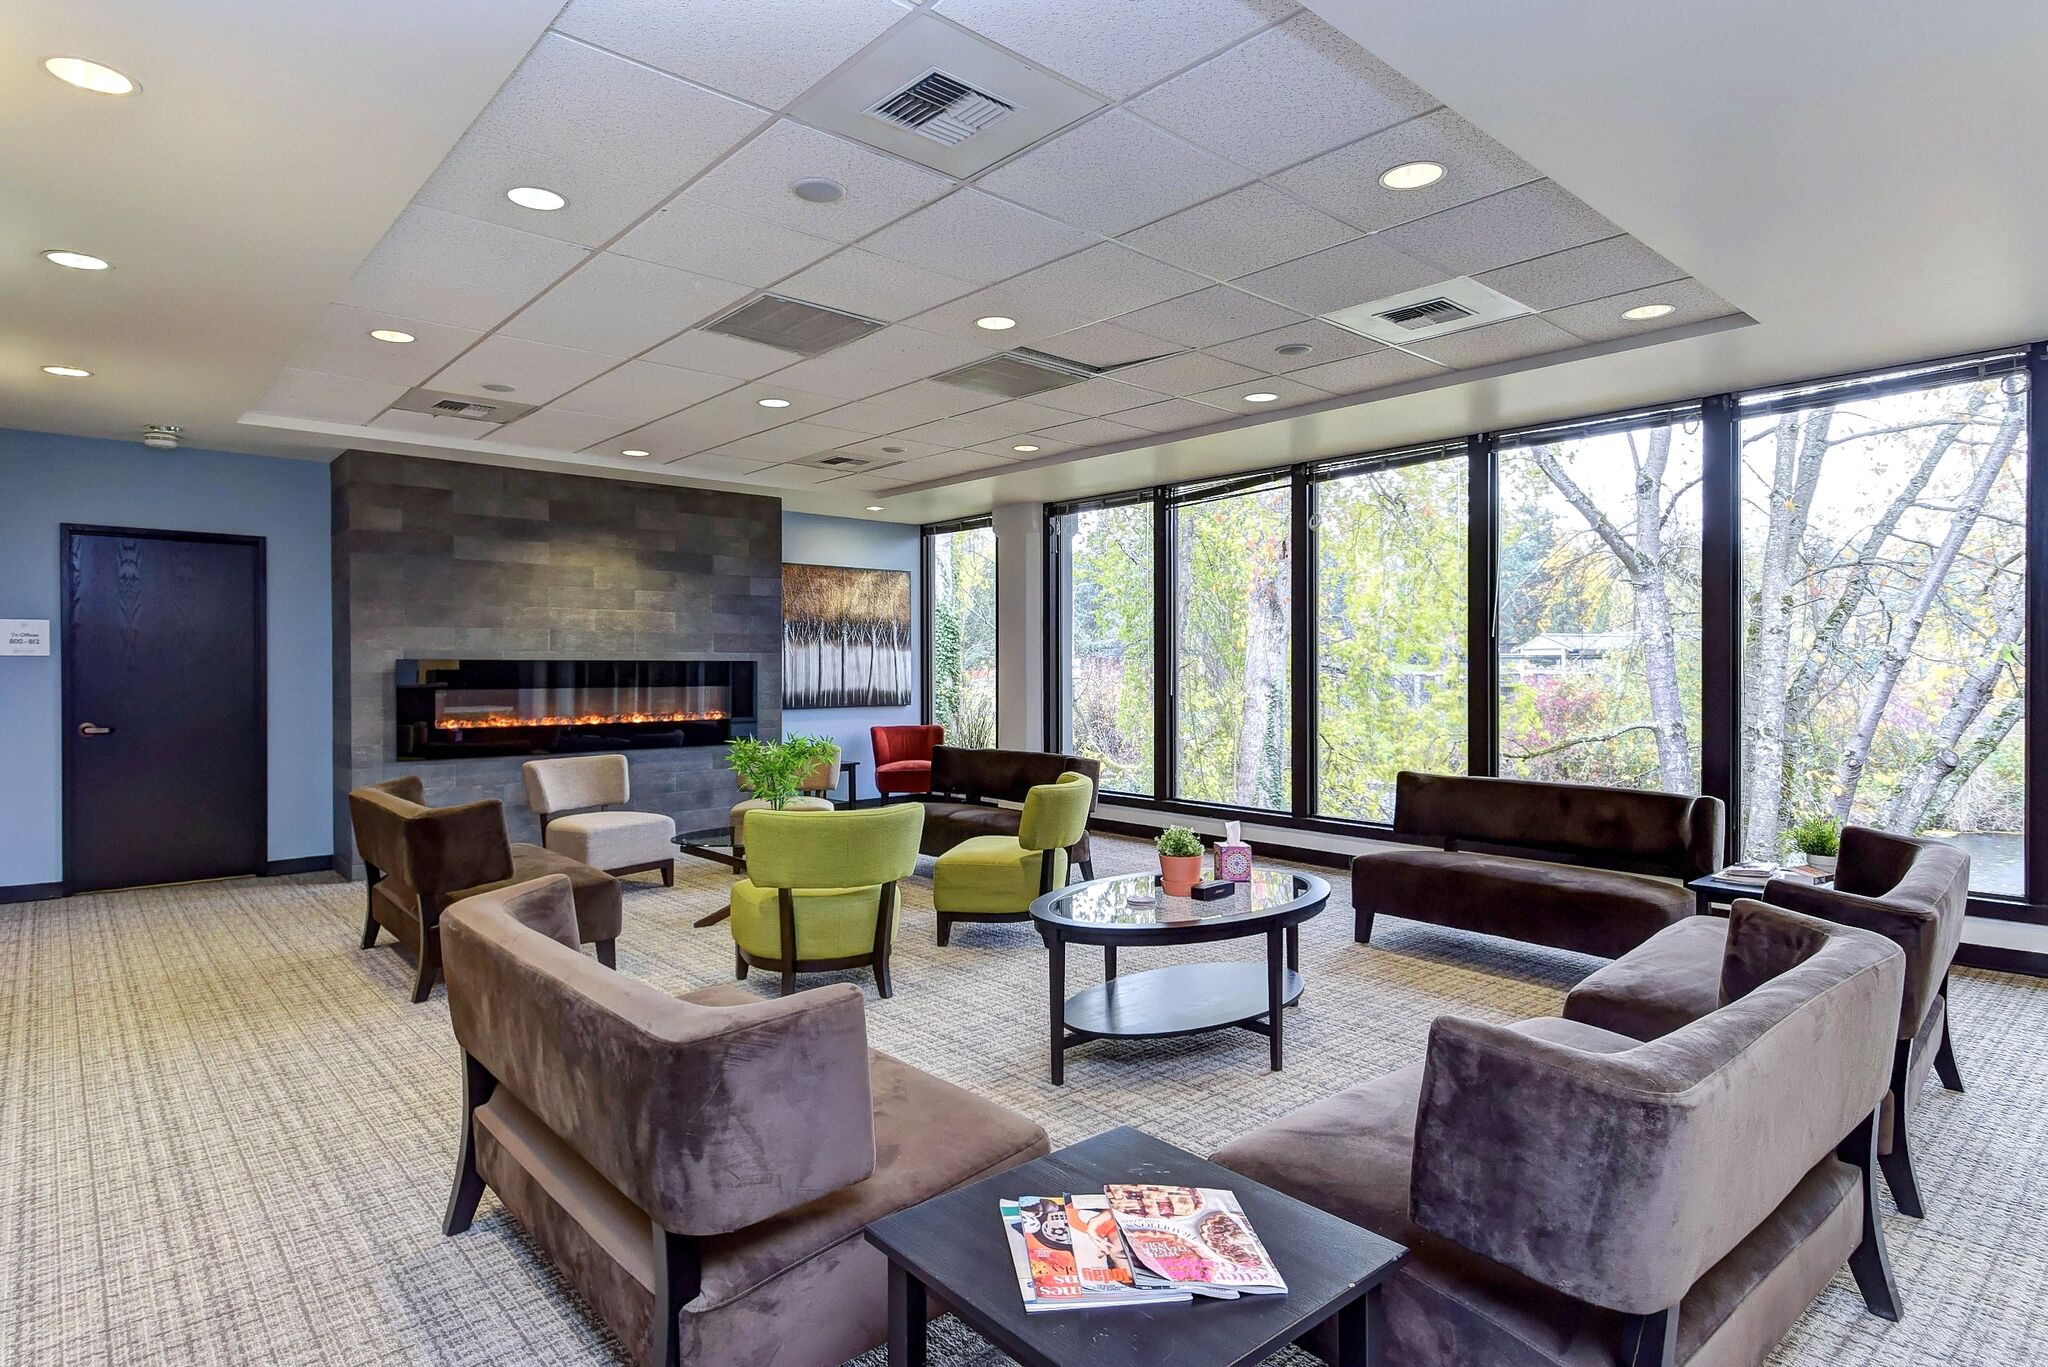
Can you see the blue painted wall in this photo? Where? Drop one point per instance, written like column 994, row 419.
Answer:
column 48, row 480
column 808, row 539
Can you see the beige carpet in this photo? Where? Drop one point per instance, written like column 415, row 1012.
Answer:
column 226, row 1137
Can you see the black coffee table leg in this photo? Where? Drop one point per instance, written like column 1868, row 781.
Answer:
column 1056, row 973
column 1276, row 974
column 907, row 1319
column 1108, row 962
column 1361, row 1332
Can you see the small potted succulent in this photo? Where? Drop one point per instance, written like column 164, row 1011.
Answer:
column 1180, row 860
column 1819, row 839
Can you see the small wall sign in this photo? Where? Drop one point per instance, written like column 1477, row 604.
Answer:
column 24, row 636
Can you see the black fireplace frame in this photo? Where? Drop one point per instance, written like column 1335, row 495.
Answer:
column 417, row 682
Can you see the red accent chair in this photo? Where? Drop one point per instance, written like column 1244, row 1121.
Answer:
column 903, row 757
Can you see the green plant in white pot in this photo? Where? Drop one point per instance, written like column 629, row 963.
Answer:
column 1180, row 860
column 771, row 769
column 1819, row 839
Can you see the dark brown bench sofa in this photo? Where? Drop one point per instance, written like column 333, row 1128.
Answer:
column 1564, row 864
column 966, row 785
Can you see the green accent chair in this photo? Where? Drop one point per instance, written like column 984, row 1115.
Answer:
column 996, row 877
column 820, row 891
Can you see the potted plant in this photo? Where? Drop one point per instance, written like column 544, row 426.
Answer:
column 771, row 769
column 1820, row 840
column 1180, row 860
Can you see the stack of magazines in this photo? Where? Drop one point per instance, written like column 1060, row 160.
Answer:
column 1756, row 873
column 1135, row 1245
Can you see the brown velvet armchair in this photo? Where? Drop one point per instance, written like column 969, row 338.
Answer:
column 1913, row 892
column 699, row 1168
column 1573, row 1197
column 421, row 860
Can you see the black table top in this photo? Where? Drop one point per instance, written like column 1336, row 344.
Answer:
column 955, row 1244
column 1103, row 904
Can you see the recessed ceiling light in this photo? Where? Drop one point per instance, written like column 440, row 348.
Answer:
column 773, row 403
column 996, row 323
column 534, row 197
column 874, row 507
column 1411, row 175
column 498, row 388
column 818, row 190
column 100, row 80
column 391, row 335
column 1293, row 349
column 1024, row 448
column 77, row 261
column 1643, row 313
column 633, row 451
column 892, row 450
column 69, row 372
column 1260, row 397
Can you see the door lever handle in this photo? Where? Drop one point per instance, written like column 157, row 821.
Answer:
column 86, row 728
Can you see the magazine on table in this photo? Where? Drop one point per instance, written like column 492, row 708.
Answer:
column 1134, row 1245
column 1195, row 1237
column 1757, row 872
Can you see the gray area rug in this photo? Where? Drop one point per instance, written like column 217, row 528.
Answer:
column 226, row 1137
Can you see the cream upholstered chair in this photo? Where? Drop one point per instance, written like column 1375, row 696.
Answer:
column 568, row 795
column 810, row 798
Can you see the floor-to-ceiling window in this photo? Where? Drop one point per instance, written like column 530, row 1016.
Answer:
column 1233, row 673
column 1390, row 581
column 1883, row 586
column 960, row 564
column 1599, row 616
column 1107, row 692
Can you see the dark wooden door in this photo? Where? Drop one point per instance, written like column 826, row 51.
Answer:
column 164, row 728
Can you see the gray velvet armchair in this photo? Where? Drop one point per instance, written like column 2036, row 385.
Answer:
column 1913, row 892
column 700, row 1168
column 1573, row 1197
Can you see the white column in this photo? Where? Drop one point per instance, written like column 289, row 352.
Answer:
column 1020, row 625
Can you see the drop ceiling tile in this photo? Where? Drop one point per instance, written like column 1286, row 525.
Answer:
column 865, row 418
column 896, row 477
column 719, row 355
column 798, row 476
column 1216, row 314
column 340, row 344
column 571, row 104
column 1528, row 221
column 1338, row 277
column 1067, row 35
column 872, row 286
column 1346, row 182
column 641, row 391
column 620, row 306
column 767, row 51
column 930, row 399
column 1237, row 233
column 562, row 429
column 1231, row 397
column 439, row 426
column 966, row 430
column 1290, row 92
column 739, row 410
column 976, row 237
column 1111, row 174
column 1368, row 370
column 456, row 271
column 969, row 462
column 1514, row 340
column 1601, row 320
column 1094, row 398
column 1174, row 415
column 536, row 371
column 694, row 234
column 1326, row 341
column 474, row 177
column 756, row 179
column 1594, row 271
column 891, row 448
column 882, row 360
column 1021, row 415
column 792, row 441
column 1095, row 432
column 1188, row 372
column 1105, row 280
column 709, row 465
column 322, row 397
column 1037, row 317
column 1106, row 344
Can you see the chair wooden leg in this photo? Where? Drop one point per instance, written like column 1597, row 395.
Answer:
column 668, row 873
column 1650, row 1340
column 677, row 1278
column 883, row 938
column 1898, row 1164
column 788, row 901
column 1870, row 1264
column 945, row 930
column 429, row 966
column 739, row 964
column 477, row 1086
column 607, row 952
column 1945, row 1057
column 370, row 926
column 1361, row 926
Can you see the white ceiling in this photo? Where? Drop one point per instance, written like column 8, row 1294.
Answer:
column 1860, row 186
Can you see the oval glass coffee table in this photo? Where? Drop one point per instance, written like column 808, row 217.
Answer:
column 1186, row 999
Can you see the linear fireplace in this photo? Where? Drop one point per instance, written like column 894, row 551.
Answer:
column 455, row 709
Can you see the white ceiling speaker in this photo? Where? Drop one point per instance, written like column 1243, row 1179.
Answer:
column 162, row 436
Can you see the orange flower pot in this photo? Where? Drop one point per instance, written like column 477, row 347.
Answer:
column 1178, row 873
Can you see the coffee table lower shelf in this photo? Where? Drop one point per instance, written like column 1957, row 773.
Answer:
column 1187, row 999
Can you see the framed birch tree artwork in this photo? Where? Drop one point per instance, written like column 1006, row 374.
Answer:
column 845, row 637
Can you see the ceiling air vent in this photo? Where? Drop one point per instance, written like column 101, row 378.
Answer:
column 941, row 108
column 1018, row 374
column 1427, row 314
column 841, row 462
column 1418, row 315
column 445, row 405
column 792, row 325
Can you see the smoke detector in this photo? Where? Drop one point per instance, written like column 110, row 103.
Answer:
column 162, row 436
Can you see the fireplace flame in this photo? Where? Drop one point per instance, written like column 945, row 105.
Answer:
column 514, row 721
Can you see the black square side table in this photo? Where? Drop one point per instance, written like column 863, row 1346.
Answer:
column 955, row 1247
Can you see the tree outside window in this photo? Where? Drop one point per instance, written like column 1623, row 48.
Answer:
column 963, row 635
column 1232, row 591
column 1110, row 687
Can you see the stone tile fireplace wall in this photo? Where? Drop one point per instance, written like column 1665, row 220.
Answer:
column 438, row 558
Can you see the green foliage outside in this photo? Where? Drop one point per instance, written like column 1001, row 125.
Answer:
column 963, row 628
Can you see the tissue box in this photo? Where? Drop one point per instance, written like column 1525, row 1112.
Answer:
column 1234, row 861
